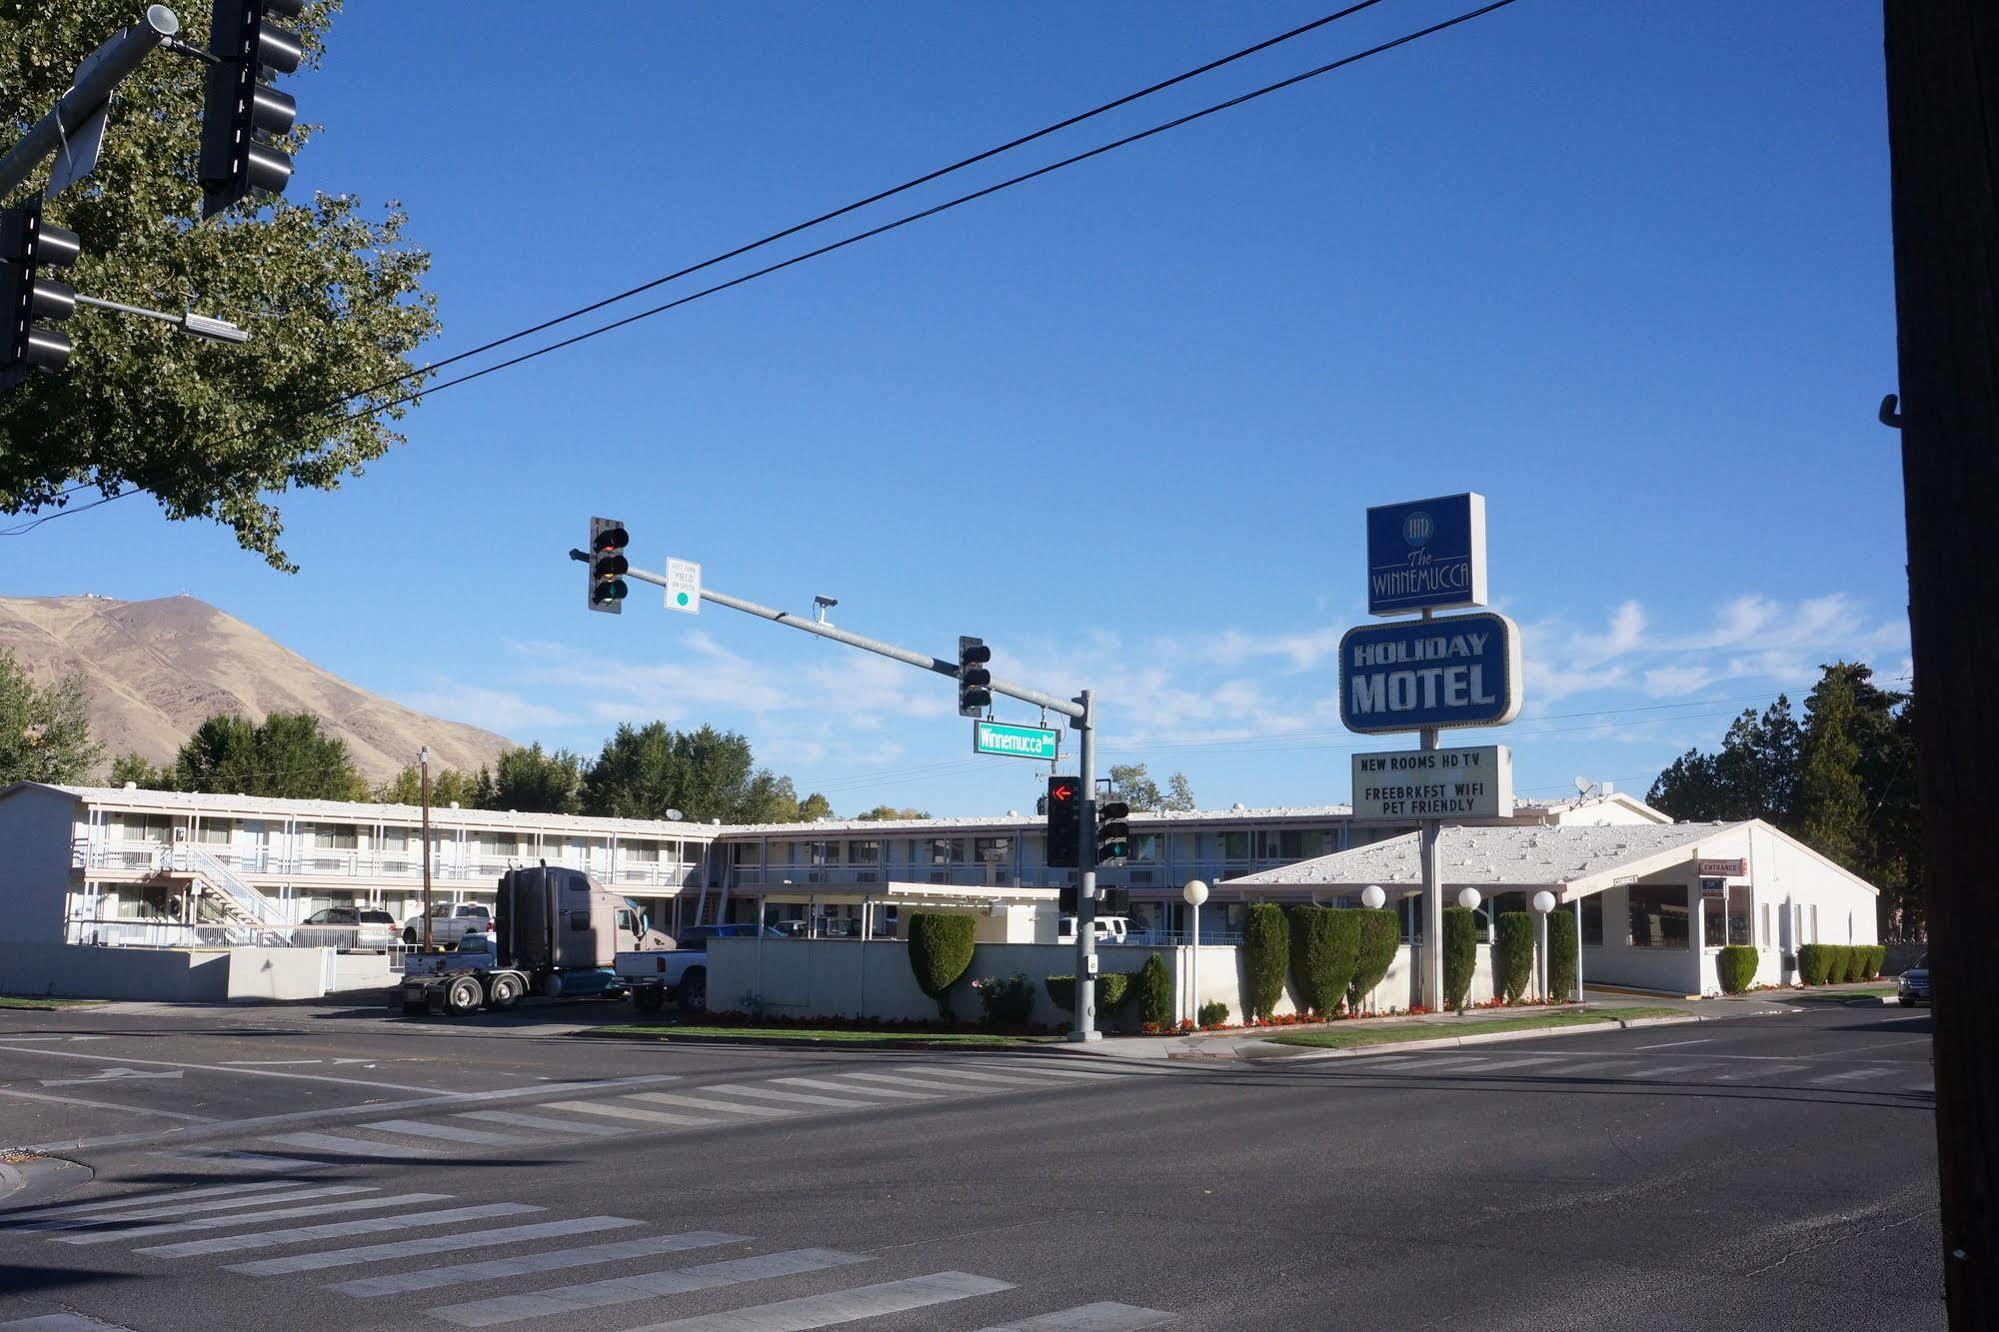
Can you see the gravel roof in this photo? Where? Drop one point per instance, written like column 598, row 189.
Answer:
column 1513, row 857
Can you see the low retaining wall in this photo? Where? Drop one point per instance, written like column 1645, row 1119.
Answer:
column 186, row 975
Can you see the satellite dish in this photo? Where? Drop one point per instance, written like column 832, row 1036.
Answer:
column 1584, row 786
column 675, row 815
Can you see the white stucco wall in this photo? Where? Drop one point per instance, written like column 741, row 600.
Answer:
column 35, row 829
column 186, row 975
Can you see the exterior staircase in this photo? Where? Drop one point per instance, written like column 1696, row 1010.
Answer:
column 233, row 898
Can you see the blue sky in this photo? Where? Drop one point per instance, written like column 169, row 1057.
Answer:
column 1623, row 268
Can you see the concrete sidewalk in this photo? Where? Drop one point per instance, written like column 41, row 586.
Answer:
column 1438, row 1028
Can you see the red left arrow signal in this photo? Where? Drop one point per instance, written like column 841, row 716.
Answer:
column 1062, row 792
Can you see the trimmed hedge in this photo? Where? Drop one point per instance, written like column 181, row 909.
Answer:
column 1857, row 958
column 1325, row 944
column 1877, row 958
column 1266, row 956
column 1516, row 954
column 1380, row 937
column 1111, row 989
column 1736, row 966
column 1841, row 958
column 1008, row 1001
column 1814, row 961
column 1460, row 954
column 940, row 952
column 1564, row 954
column 1214, row 1013
column 1153, row 990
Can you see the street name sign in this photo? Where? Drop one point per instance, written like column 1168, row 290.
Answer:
column 683, row 586
column 1426, row 554
column 1474, row 783
column 1010, row 741
column 1414, row 675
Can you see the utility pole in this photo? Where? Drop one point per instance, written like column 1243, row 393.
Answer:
column 423, row 766
column 1943, row 110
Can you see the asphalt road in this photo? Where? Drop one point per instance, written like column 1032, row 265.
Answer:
column 270, row 1170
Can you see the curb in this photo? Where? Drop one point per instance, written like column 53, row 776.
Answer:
column 1485, row 1038
column 38, row 1179
column 1874, row 1001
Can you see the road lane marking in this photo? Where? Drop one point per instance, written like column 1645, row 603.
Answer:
column 275, row 1063
column 236, row 1128
column 550, row 1261
column 168, row 1195
column 631, row 1112
column 1659, row 1071
column 105, row 1105
column 240, row 1160
column 540, row 1122
column 1852, row 1074
column 628, row 1289
column 1044, row 1070
column 1105, row 1317
column 220, row 1068
column 827, row 1084
column 1669, row 1045
column 968, row 1075
column 60, row 1323
column 1761, row 1072
column 725, row 1107
column 798, row 1098
column 328, row 1142
column 367, row 1225
column 413, row 1248
column 1578, row 1068
column 156, row 1212
column 251, row 1218
column 416, row 1128
column 840, row 1306
column 1483, row 1069
column 897, row 1080
column 1920, row 1088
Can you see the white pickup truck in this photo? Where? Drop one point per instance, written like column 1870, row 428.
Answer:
column 680, row 973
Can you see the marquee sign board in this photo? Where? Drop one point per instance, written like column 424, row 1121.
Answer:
column 1426, row 554
column 1413, row 675
column 1475, row 783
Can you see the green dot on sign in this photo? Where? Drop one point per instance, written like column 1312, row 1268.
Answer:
column 680, row 597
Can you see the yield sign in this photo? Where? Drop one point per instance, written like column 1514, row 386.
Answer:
column 108, row 1075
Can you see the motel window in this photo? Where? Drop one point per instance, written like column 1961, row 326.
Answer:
column 747, row 853
column 1658, row 917
column 1813, row 921
column 1769, row 927
column 146, row 827
column 216, row 832
column 1741, row 916
column 495, row 844
column 864, row 853
column 1235, row 846
column 1592, row 929
column 946, row 850
column 333, row 836
column 395, row 839
column 1714, row 913
column 636, row 851
column 1144, row 848
column 998, row 850
column 823, row 853
column 1185, row 847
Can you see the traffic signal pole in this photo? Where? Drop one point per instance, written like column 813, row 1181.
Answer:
column 94, row 85
column 1081, row 712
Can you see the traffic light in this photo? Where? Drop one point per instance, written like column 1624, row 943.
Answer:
column 28, row 244
column 1113, row 833
column 244, row 115
column 1065, row 821
column 1067, row 898
column 975, row 693
column 607, row 566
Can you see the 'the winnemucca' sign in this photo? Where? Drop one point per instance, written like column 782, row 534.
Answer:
column 1458, row 670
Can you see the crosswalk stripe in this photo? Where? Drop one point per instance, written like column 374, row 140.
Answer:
column 1658, row 1070
column 626, row 1289
column 1483, row 1068
column 1584, row 1068
column 840, row 1306
column 172, row 1195
column 497, row 1268
column 799, row 1098
column 1852, row 1075
column 1104, row 1317
column 416, row 1128
column 249, row 1218
column 1761, row 1072
column 1921, row 1087
column 968, row 1075
column 1453, row 1061
column 1050, row 1071
column 826, row 1084
column 226, row 1160
column 412, row 1248
column 543, row 1122
column 205, row 1205
column 932, row 1084
column 725, row 1107
column 59, row 1323
column 339, row 1146
column 367, row 1225
column 616, row 1111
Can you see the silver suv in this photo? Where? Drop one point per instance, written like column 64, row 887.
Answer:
column 449, row 922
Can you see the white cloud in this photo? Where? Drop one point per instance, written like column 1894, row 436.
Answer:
column 499, row 710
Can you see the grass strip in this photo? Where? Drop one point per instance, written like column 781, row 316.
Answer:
column 1452, row 1029
column 45, row 1005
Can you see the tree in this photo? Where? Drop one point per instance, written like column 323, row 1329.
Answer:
column 134, row 768
column 1135, row 786
column 814, row 808
column 534, row 782
column 1832, row 810
column 332, row 299
column 644, row 771
column 882, row 813
column 1753, row 776
column 1179, row 795
column 283, row 756
column 44, row 732
column 448, row 786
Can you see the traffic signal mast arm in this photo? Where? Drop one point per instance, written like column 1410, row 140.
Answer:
column 94, row 85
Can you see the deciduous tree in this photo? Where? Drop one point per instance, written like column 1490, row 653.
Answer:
column 44, row 731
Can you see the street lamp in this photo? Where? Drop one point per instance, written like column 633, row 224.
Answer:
column 1544, row 902
column 1372, row 897
column 1193, row 895
column 1469, row 899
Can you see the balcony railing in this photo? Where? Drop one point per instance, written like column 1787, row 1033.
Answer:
column 1165, row 878
column 140, row 857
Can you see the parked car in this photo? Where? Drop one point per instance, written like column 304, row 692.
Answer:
column 346, row 927
column 1107, row 929
column 1915, row 985
column 449, row 922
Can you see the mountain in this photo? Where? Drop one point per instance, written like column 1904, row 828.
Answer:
column 155, row 670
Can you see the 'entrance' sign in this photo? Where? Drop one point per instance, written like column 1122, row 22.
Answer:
column 1461, row 670
column 1434, row 784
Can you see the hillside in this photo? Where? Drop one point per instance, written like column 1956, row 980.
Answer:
column 154, row 670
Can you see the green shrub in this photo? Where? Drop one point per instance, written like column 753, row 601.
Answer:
column 1325, row 944
column 1516, row 954
column 940, row 952
column 1008, row 1002
column 1857, row 958
column 1877, row 958
column 1736, row 967
column 1813, row 963
column 1214, row 1013
column 1266, row 956
column 1154, row 992
column 1838, row 956
column 1564, row 953
column 1460, row 954
column 1111, row 987
column 1380, row 937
